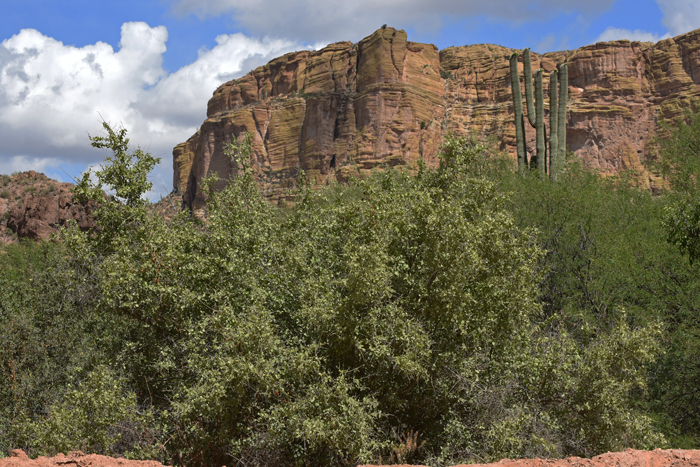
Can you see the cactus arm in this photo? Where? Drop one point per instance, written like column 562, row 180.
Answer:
column 545, row 169
column 553, row 123
column 539, row 123
column 522, row 129
column 518, row 110
column 561, row 127
column 527, row 71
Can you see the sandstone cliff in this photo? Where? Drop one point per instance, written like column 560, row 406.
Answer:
column 348, row 108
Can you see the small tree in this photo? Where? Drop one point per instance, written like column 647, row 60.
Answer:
column 123, row 174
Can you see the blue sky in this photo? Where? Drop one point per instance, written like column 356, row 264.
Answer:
column 151, row 65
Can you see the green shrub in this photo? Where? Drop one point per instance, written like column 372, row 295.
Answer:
column 607, row 251
column 39, row 292
column 411, row 317
column 675, row 400
column 397, row 304
column 93, row 417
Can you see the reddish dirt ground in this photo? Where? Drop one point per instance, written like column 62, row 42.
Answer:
column 628, row 458
column 74, row 459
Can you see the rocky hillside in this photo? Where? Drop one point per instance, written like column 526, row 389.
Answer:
column 347, row 108
column 34, row 206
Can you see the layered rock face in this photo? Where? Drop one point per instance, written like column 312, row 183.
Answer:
column 385, row 101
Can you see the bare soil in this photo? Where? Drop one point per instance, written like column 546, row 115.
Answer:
column 74, row 459
column 627, row 458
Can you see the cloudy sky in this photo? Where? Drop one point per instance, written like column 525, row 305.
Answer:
column 151, row 65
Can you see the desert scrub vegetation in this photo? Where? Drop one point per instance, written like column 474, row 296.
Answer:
column 453, row 314
column 47, row 190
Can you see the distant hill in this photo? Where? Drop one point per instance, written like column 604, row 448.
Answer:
column 35, row 206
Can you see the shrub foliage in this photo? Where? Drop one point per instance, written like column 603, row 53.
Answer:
column 453, row 314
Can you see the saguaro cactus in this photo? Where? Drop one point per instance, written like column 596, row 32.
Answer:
column 553, row 126
column 561, row 127
column 535, row 116
column 527, row 71
column 535, row 113
column 541, row 154
column 518, row 109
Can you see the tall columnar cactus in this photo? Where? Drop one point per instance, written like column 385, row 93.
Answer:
column 535, row 116
column 553, row 126
column 527, row 71
column 518, row 109
column 541, row 154
column 535, row 113
column 561, row 127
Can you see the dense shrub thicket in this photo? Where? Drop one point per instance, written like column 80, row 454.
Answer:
column 462, row 313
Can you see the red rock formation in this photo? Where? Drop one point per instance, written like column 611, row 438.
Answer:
column 35, row 206
column 348, row 108
column 40, row 216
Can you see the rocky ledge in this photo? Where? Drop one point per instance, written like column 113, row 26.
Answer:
column 348, row 108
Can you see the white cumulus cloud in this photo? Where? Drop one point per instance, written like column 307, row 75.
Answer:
column 680, row 16
column 614, row 34
column 24, row 163
column 53, row 94
column 180, row 98
column 48, row 89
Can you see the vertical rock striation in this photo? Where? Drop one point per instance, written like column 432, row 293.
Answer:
column 348, row 108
